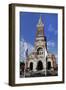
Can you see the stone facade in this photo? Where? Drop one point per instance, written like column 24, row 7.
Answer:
column 40, row 59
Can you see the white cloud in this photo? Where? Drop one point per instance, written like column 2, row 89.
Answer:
column 56, row 32
column 50, row 44
column 23, row 47
column 52, row 29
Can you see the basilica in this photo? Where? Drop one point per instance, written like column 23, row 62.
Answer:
column 40, row 60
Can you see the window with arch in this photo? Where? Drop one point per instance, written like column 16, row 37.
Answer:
column 48, row 65
column 31, row 65
column 39, row 51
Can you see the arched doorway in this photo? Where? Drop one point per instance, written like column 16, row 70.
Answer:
column 48, row 65
column 39, row 65
column 31, row 66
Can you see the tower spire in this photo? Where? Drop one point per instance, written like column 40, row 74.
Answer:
column 40, row 40
column 40, row 23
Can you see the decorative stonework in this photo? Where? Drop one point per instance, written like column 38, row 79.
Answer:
column 40, row 60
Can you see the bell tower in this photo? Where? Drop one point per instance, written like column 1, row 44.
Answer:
column 40, row 40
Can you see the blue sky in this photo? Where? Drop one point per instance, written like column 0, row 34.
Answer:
column 28, row 29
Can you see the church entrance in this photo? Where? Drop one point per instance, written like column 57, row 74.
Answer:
column 39, row 65
column 49, row 65
column 31, row 66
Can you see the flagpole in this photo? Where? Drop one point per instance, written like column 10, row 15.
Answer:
column 25, row 59
column 25, row 62
column 24, row 56
column 25, row 69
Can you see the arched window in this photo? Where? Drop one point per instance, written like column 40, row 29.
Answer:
column 31, row 66
column 39, row 51
column 39, row 65
column 48, row 65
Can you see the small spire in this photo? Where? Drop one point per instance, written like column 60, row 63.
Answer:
column 40, row 22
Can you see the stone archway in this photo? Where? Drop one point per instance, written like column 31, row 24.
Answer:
column 31, row 65
column 39, row 65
